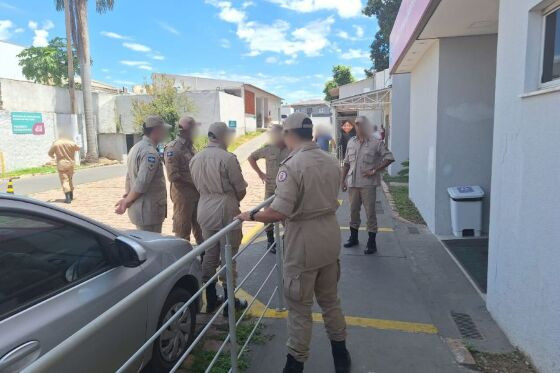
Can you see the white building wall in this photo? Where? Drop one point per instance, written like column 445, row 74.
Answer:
column 9, row 63
column 232, row 108
column 356, row 88
column 467, row 70
column 423, row 133
column 524, row 252
column 399, row 138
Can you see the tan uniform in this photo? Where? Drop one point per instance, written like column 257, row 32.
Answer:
column 307, row 191
column 360, row 157
column 273, row 155
column 64, row 151
column 145, row 175
column 216, row 173
column 178, row 154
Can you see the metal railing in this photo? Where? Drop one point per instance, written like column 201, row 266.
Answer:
column 49, row 361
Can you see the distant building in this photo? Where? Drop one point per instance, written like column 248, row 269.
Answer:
column 9, row 62
column 318, row 110
column 259, row 107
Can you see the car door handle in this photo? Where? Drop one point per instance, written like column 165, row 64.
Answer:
column 20, row 357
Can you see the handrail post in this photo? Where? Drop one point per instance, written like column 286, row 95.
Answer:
column 279, row 266
column 231, row 306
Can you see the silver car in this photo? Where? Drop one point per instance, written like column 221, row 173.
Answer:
column 60, row 270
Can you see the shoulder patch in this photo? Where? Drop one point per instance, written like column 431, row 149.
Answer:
column 151, row 159
column 282, row 176
column 169, row 154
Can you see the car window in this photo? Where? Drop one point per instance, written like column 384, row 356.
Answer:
column 39, row 257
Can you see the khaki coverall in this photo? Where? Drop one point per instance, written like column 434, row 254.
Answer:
column 362, row 156
column 178, row 154
column 307, row 192
column 216, row 173
column 64, row 151
column 145, row 175
column 273, row 155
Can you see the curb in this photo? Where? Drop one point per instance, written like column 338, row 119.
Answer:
column 394, row 210
column 461, row 353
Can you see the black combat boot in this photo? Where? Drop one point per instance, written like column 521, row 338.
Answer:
column 270, row 241
column 341, row 357
column 72, row 195
column 292, row 365
column 353, row 240
column 371, row 245
column 239, row 304
column 68, row 198
column 212, row 301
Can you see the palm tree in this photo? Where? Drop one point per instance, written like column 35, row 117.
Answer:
column 80, row 38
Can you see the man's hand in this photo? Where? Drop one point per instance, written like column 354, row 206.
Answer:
column 344, row 185
column 244, row 216
column 369, row 173
column 262, row 175
column 121, row 206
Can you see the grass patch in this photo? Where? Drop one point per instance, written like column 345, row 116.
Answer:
column 511, row 362
column 202, row 358
column 31, row 171
column 404, row 205
column 396, row 179
column 201, row 141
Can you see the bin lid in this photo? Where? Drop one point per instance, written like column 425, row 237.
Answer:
column 465, row 192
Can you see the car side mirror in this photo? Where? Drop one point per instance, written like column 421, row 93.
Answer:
column 130, row 252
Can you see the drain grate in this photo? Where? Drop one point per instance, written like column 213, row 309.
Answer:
column 466, row 325
column 413, row 230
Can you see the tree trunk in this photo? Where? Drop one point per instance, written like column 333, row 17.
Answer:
column 70, row 55
column 85, row 71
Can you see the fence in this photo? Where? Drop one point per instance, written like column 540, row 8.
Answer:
column 49, row 361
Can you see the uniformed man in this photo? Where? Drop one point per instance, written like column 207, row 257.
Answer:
column 306, row 199
column 178, row 154
column 64, row 150
column 366, row 158
column 146, row 194
column 216, row 173
column 274, row 153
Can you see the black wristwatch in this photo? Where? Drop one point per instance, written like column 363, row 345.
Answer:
column 252, row 215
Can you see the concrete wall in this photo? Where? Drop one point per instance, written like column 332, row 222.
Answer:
column 424, row 81
column 400, row 125
column 112, row 146
column 231, row 108
column 467, row 70
column 9, row 63
column 524, row 256
column 356, row 88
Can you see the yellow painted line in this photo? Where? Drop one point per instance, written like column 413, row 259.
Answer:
column 382, row 229
column 247, row 237
column 365, row 322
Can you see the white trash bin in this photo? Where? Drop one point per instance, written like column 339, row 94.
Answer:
column 466, row 210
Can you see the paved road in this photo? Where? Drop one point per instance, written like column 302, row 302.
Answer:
column 397, row 304
column 41, row 183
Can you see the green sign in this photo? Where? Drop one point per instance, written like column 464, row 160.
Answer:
column 27, row 123
column 232, row 124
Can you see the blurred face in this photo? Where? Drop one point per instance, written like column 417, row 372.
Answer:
column 188, row 130
column 228, row 138
column 360, row 127
column 290, row 140
column 276, row 138
column 159, row 134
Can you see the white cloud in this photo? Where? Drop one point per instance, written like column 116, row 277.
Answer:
column 6, row 27
column 271, row 59
column 343, row 35
column 10, row 7
column 353, row 54
column 247, row 4
column 114, row 35
column 358, row 72
column 134, row 63
column 167, row 27
column 276, row 37
column 145, row 67
column 137, row 47
column 158, row 57
column 345, row 8
column 105, row 70
column 225, row 43
column 19, row 30
column 359, row 31
column 41, row 35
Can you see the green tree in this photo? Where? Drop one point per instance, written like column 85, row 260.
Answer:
column 165, row 101
column 386, row 12
column 80, row 38
column 341, row 75
column 47, row 65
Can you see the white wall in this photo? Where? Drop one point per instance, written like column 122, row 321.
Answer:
column 232, row 108
column 524, row 252
column 424, row 81
column 467, row 71
column 356, row 88
column 112, row 146
column 399, row 138
column 9, row 63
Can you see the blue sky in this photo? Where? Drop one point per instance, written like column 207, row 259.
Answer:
column 287, row 47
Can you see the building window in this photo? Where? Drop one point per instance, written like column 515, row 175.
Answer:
column 551, row 54
column 309, row 110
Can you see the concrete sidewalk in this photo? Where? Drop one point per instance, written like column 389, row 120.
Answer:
column 398, row 305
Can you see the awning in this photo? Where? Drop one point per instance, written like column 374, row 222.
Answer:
column 373, row 100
